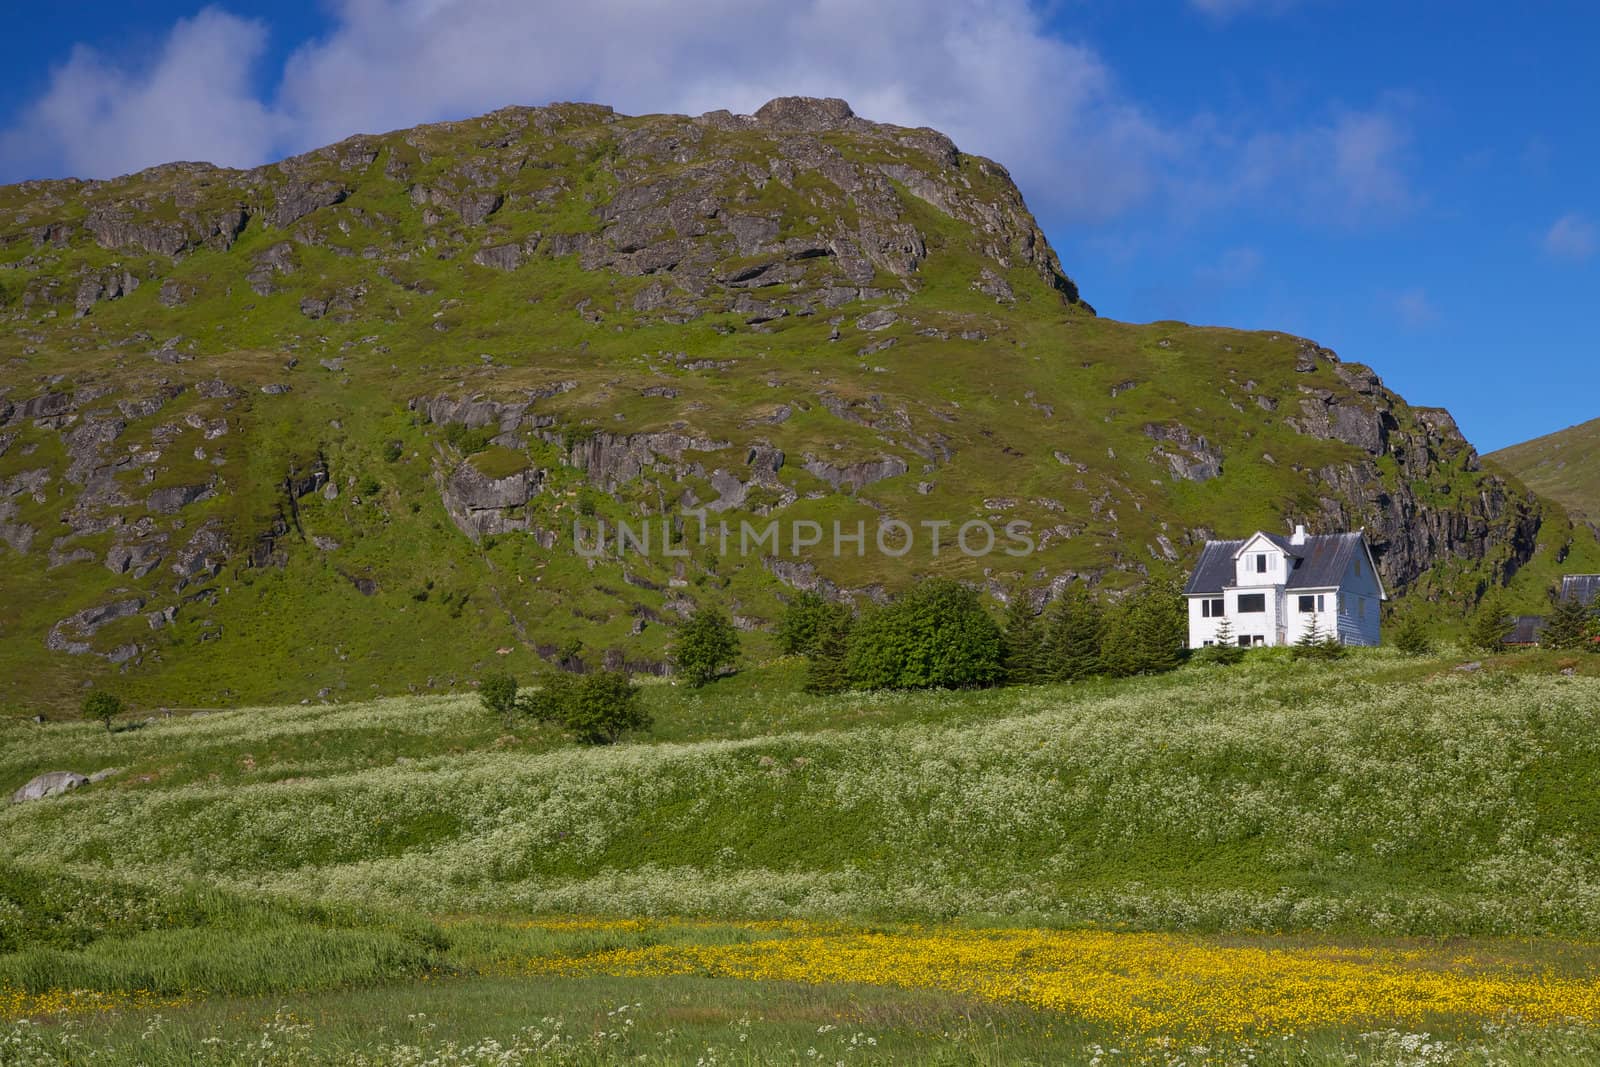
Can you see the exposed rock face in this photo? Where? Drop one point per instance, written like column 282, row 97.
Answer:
column 610, row 459
column 107, row 286
column 481, row 505
column 853, row 476
column 1410, row 531
column 1189, row 454
column 49, row 784
column 71, row 634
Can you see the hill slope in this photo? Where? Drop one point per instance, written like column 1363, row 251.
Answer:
column 1563, row 466
column 323, row 427
column 1379, row 795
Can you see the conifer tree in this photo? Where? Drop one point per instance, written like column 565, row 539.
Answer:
column 1074, row 634
column 1227, row 651
column 1162, row 626
column 1570, row 624
column 1412, row 637
column 827, row 664
column 1024, row 640
column 1490, row 625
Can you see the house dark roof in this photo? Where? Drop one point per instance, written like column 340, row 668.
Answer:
column 1585, row 588
column 1525, row 630
column 1319, row 563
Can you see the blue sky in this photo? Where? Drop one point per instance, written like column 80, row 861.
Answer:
column 1413, row 185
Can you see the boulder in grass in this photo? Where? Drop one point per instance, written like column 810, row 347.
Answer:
column 49, row 784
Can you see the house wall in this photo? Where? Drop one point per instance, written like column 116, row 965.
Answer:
column 1277, row 572
column 1266, row 625
column 1358, row 621
column 1298, row 623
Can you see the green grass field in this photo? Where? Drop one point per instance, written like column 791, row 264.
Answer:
column 405, row 880
column 1560, row 466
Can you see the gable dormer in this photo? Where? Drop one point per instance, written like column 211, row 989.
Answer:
column 1261, row 560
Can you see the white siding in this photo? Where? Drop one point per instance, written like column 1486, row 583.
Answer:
column 1363, row 607
column 1277, row 572
column 1325, row 615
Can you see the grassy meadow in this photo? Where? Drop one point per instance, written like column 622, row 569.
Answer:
column 1378, row 860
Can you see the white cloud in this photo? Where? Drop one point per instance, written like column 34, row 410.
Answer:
column 191, row 101
column 1235, row 267
column 1347, row 170
column 1572, row 237
column 1414, row 310
column 990, row 73
column 986, row 72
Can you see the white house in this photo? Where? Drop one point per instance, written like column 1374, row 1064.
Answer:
column 1271, row 590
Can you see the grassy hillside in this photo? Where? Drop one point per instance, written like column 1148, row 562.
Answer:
column 759, row 848
column 1383, row 796
column 1562, row 466
column 266, row 435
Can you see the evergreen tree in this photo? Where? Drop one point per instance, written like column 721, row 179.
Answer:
column 1147, row 633
column 1412, row 637
column 1570, row 624
column 1120, row 653
column 1163, row 627
column 707, row 645
column 1227, row 651
column 1073, row 635
column 805, row 619
column 1314, row 644
column 1490, row 625
column 827, row 664
column 1024, row 641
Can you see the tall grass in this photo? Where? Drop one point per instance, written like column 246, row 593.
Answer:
column 1369, row 795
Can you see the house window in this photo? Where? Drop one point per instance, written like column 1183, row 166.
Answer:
column 1244, row 642
column 1261, row 563
column 1308, row 604
column 1208, row 644
column 1252, row 602
column 1258, row 640
column 1212, row 608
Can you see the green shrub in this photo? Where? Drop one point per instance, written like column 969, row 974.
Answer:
column 604, row 706
column 937, row 635
column 466, row 441
column 804, row 621
column 1412, row 638
column 597, row 708
column 393, row 450
column 102, row 707
column 707, row 645
column 1490, row 625
column 498, row 691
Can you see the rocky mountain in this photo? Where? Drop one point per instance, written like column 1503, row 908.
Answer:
column 1562, row 466
column 324, row 427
